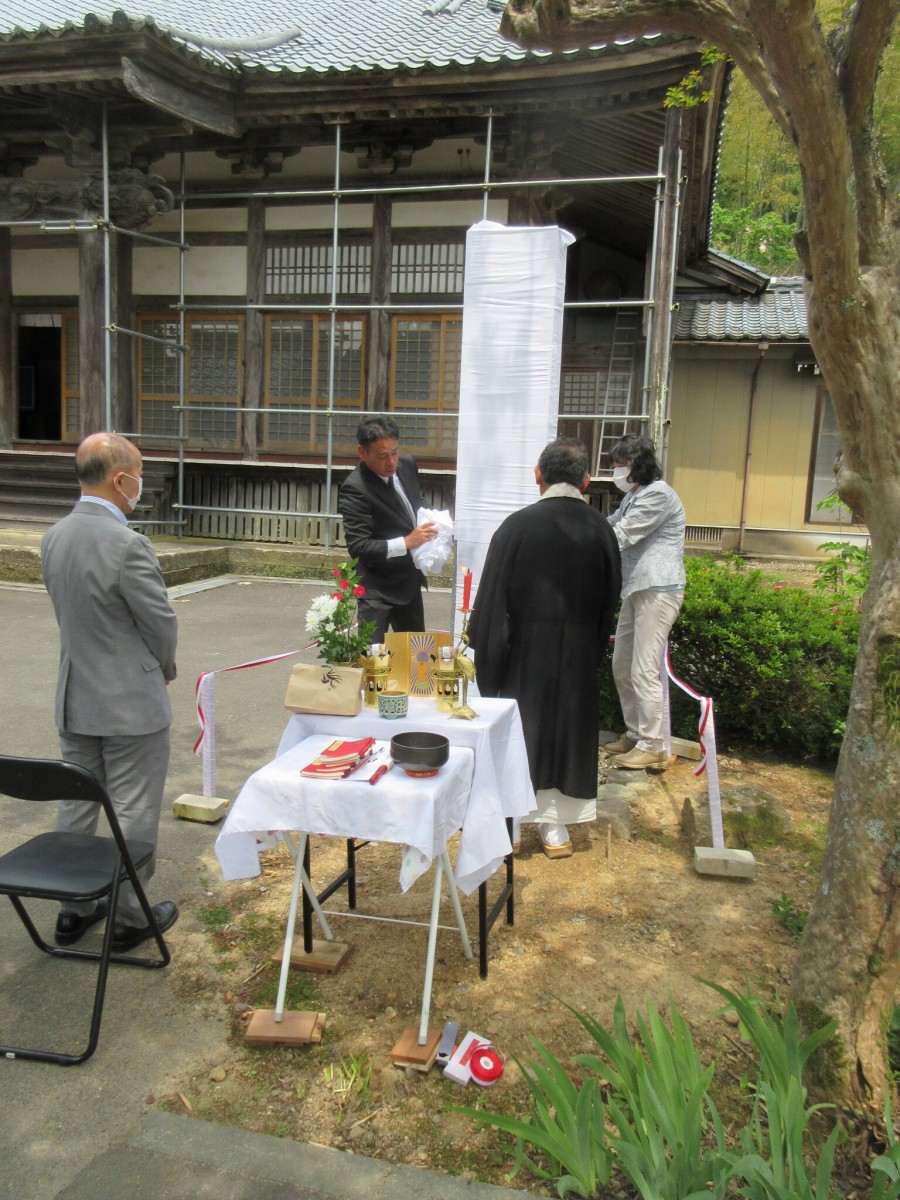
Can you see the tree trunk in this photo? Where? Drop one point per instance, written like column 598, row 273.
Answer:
column 820, row 91
column 848, row 965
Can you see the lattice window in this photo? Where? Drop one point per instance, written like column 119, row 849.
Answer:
column 425, row 364
column 422, row 268
column 298, row 376
column 305, row 270
column 212, row 378
column 579, row 392
column 417, row 268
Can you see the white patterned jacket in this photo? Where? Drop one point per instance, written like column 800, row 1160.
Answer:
column 649, row 527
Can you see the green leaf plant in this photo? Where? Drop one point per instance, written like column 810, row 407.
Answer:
column 642, row 1107
column 566, row 1123
column 774, row 1145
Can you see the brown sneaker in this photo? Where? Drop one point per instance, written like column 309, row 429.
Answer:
column 643, row 760
column 621, row 745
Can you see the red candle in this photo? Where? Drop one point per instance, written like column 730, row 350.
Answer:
column 467, row 588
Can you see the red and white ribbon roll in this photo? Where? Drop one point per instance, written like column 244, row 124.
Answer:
column 486, row 1065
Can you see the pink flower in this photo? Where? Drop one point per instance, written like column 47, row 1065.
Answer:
column 336, row 572
column 337, row 595
column 359, row 590
column 344, row 585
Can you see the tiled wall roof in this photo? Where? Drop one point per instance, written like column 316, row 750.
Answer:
column 776, row 315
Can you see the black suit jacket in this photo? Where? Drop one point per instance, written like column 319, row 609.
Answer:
column 373, row 513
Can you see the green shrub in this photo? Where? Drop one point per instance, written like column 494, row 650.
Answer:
column 777, row 661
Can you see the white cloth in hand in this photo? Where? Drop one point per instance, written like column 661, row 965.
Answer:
column 431, row 557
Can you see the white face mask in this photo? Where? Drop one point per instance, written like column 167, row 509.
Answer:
column 620, row 478
column 133, row 502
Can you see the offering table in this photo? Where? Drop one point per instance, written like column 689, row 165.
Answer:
column 277, row 802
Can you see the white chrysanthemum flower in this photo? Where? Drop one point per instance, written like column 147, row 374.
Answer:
column 320, row 613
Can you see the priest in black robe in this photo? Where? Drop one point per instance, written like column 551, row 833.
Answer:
column 540, row 630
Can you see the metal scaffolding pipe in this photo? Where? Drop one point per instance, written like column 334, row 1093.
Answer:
column 420, row 188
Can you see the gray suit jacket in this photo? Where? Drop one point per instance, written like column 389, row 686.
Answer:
column 117, row 628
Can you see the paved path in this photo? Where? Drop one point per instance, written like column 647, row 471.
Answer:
column 90, row 1132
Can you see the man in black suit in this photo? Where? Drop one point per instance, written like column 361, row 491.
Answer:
column 379, row 501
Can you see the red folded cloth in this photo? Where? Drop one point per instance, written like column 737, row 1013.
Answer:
column 339, row 759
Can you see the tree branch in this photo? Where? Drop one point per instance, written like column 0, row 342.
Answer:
column 858, row 60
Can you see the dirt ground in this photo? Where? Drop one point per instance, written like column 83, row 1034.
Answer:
column 627, row 918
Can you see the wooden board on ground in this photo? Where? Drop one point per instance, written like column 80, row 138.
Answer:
column 324, row 956
column 408, row 1053
column 294, row 1029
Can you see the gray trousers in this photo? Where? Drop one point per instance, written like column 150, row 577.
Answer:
column 133, row 771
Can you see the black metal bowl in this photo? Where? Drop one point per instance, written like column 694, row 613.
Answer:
column 420, row 754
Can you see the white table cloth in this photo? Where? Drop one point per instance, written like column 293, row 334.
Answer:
column 500, row 787
column 420, row 814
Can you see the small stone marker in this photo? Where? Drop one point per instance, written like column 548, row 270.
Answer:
column 208, row 809
column 733, row 864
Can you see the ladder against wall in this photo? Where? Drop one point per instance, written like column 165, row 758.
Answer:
column 599, row 400
column 618, row 394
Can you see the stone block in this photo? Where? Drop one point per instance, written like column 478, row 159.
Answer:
column 732, row 864
column 613, row 811
column 200, row 808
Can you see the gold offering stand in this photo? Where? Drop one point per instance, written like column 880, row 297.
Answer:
column 377, row 664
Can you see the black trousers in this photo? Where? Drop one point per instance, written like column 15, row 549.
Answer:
column 402, row 618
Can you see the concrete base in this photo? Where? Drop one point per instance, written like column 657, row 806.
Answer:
column 200, row 808
column 732, row 864
column 294, row 1028
column 324, row 956
column 685, row 749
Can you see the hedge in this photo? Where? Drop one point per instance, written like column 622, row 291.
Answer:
column 777, row 660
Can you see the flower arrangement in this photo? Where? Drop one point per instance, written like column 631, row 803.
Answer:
column 333, row 619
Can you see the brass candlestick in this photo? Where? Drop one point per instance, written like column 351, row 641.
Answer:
column 465, row 669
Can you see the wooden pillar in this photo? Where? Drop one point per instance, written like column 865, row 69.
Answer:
column 664, row 286
column 378, row 354
column 90, row 330
column 121, row 345
column 254, row 329
column 9, row 392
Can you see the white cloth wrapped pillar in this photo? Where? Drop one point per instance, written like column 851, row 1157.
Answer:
column 509, row 376
column 509, row 398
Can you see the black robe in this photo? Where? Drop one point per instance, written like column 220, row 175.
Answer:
column 540, row 629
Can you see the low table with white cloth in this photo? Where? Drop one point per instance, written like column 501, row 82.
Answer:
column 274, row 805
column 278, row 803
column 501, row 790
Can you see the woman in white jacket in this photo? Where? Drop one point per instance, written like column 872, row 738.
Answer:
column 649, row 527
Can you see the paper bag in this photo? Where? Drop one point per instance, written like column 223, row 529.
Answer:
column 323, row 688
column 412, row 660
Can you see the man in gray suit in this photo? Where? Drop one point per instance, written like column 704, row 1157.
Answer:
column 117, row 654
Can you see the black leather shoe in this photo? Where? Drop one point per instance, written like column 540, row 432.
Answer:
column 70, row 926
column 126, row 937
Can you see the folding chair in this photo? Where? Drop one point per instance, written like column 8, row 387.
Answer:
column 70, row 867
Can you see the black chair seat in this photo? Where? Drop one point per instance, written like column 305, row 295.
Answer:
column 68, row 868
